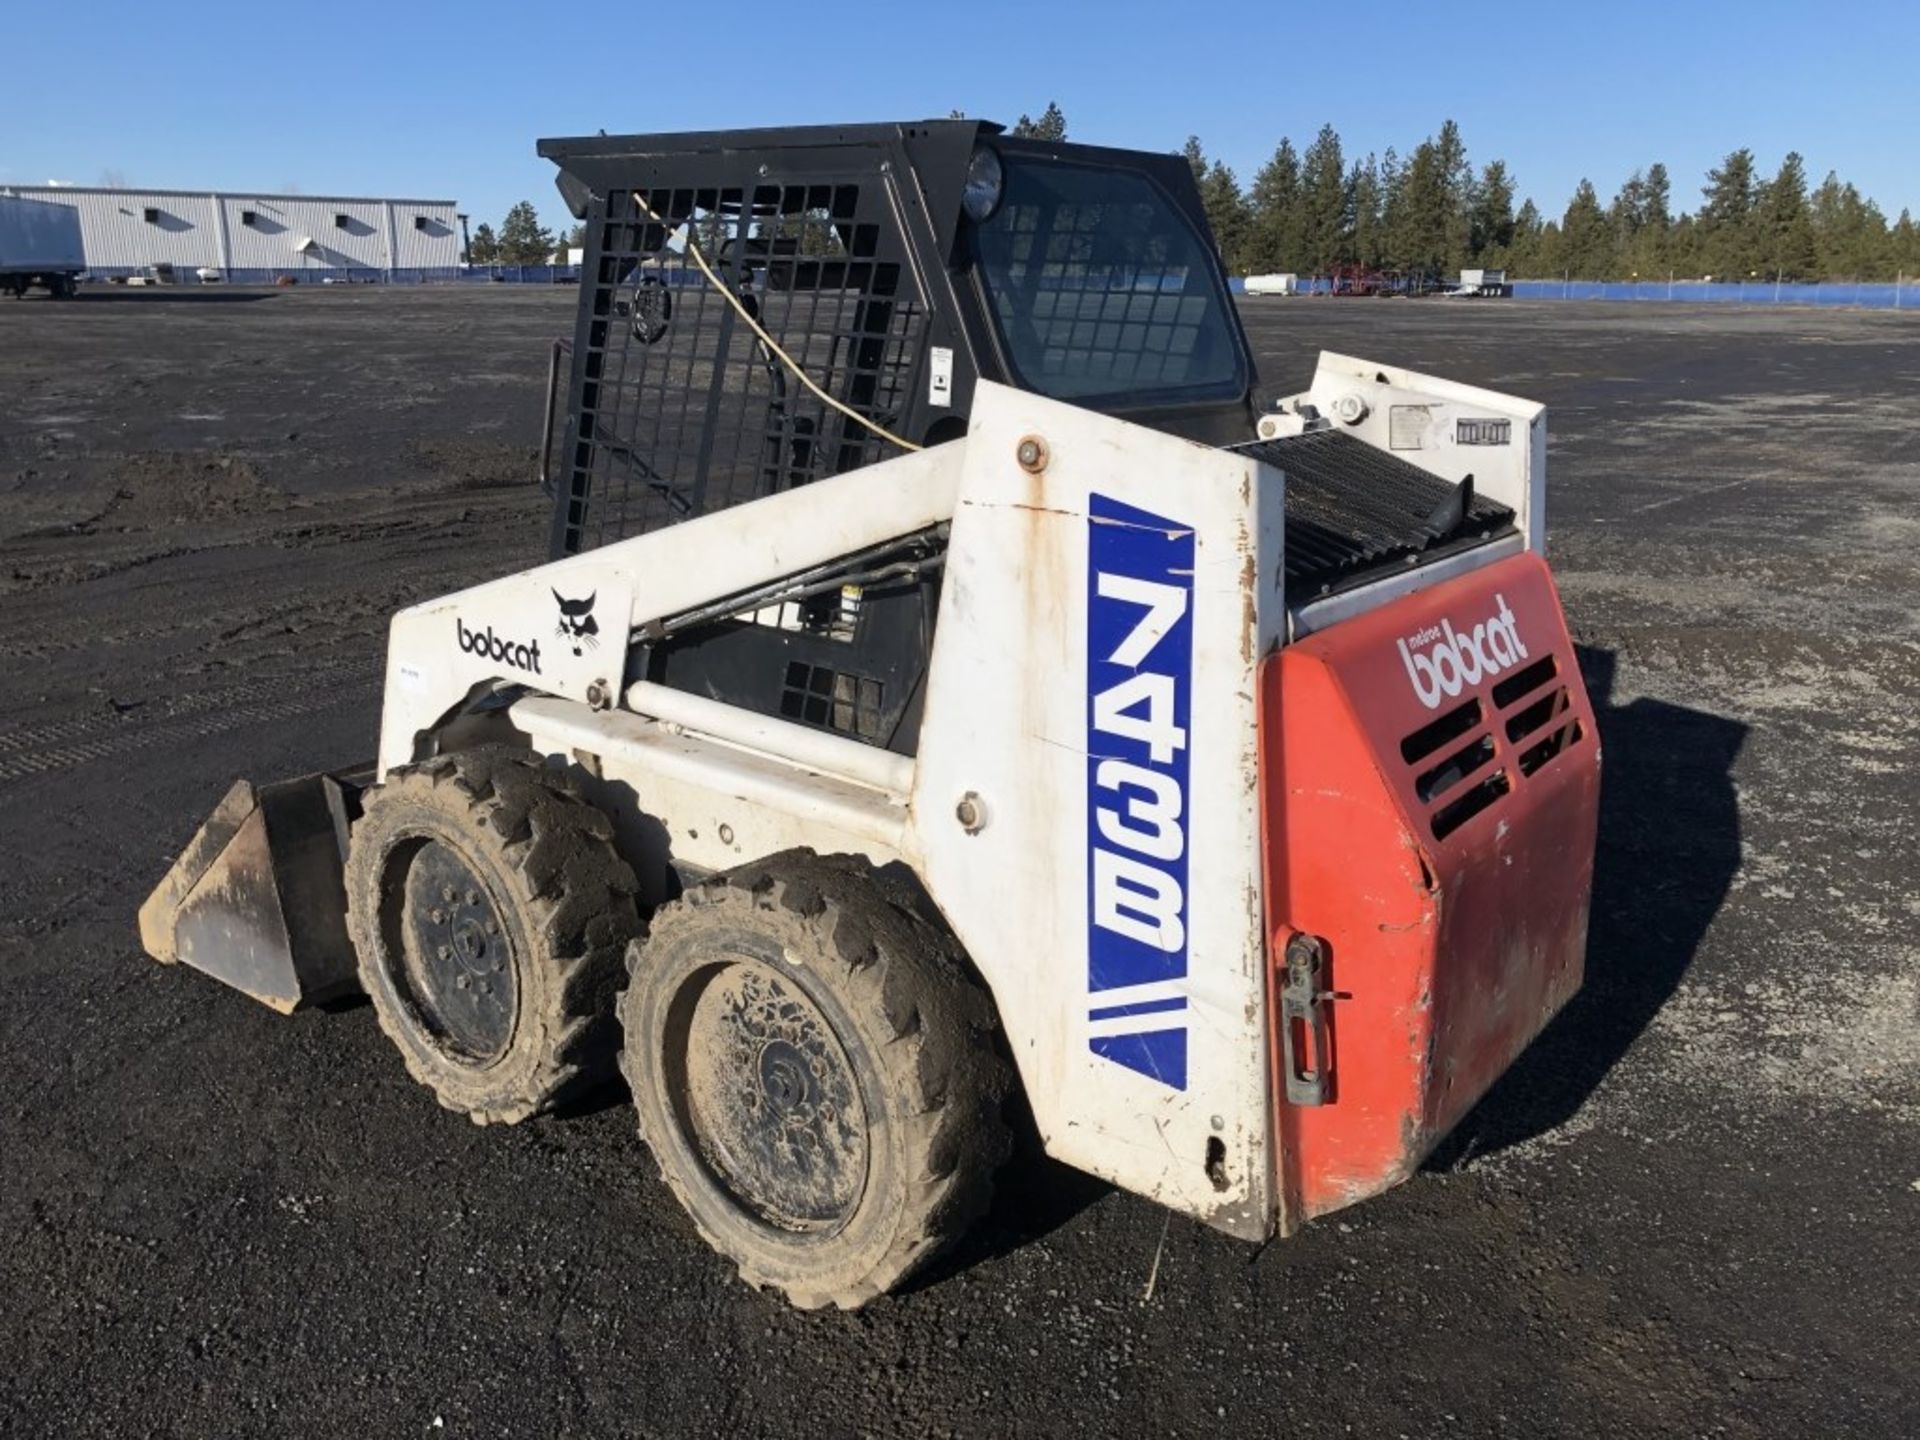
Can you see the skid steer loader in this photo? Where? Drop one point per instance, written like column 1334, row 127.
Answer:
column 949, row 678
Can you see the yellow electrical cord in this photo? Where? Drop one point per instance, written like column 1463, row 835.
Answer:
column 758, row 329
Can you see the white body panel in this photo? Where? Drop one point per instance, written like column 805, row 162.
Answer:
column 1008, row 721
column 1443, row 426
column 1082, row 806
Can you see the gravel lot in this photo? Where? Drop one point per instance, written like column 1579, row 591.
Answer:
column 1691, row 1209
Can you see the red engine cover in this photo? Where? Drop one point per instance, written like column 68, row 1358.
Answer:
column 1431, row 781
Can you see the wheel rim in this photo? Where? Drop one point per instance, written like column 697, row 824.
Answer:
column 770, row 1099
column 456, row 966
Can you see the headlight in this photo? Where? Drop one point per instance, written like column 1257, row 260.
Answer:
column 984, row 181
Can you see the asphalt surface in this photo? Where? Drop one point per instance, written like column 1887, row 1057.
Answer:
column 1691, row 1209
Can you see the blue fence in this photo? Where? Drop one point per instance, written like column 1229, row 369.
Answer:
column 350, row 275
column 1870, row 295
column 1883, row 295
column 1875, row 295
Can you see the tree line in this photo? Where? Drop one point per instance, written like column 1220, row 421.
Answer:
column 521, row 240
column 1431, row 212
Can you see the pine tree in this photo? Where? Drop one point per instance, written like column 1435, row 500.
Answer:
column 1656, row 212
column 1646, row 243
column 1323, row 203
column 1393, row 208
column 1586, row 237
column 1367, row 200
column 1724, row 227
column 1490, row 236
column 1905, row 244
column 483, row 249
column 1785, row 224
column 1456, row 177
column 1274, row 233
column 1196, row 158
column 1523, row 254
column 1227, row 215
column 1052, row 125
column 1423, row 237
column 1850, row 234
column 523, row 239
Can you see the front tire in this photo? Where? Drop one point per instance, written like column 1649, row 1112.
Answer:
column 815, row 1073
column 490, row 912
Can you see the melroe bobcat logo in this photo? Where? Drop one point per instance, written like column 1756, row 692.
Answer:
column 1453, row 660
column 577, row 625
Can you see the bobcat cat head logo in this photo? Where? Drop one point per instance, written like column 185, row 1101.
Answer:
column 577, row 625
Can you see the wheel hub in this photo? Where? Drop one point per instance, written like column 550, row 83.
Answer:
column 773, row 1101
column 458, row 959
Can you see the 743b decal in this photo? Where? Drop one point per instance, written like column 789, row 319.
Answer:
column 1139, row 710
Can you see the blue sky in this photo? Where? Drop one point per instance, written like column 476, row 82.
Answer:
column 435, row 102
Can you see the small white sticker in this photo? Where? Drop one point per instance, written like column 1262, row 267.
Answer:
column 411, row 678
column 940, row 381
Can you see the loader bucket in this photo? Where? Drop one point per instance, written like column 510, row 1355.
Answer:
column 257, row 899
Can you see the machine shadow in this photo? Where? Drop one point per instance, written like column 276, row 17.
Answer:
column 1669, row 847
column 169, row 295
column 1033, row 1195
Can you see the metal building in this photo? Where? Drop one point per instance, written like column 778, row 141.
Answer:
column 259, row 238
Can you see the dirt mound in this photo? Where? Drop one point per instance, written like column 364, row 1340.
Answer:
column 476, row 464
column 170, row 488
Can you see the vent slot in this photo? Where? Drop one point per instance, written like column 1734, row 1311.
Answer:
column 1506, row 691
column 1455, row 768
column 1451, row 816
column 1442, row 731
column 832, row 700
column 1542, row 751
column 1539, row 713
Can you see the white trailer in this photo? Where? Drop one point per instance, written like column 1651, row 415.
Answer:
column 1288, row 284
column 39, row 245
column 1483, row 285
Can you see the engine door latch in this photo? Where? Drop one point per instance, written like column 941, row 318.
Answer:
column 1303, row 1021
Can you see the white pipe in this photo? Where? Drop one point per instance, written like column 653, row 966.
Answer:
column 782, row 739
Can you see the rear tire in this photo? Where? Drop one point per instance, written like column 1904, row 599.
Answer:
column 816, row 1074
column 490, row 912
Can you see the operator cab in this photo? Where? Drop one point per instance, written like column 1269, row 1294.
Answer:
column 761, row 309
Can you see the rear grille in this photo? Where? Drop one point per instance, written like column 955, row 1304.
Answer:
column 1351, row 509
column 1455, row 757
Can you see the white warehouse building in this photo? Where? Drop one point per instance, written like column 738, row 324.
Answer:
column 259, row 238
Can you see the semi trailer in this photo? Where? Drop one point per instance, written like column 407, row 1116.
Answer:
column 40, row 245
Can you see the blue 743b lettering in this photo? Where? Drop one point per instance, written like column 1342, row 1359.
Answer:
column 1139, row 707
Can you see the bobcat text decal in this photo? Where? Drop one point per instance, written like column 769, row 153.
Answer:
column 489, row 646
column 1139, row 698
column 1450, row 661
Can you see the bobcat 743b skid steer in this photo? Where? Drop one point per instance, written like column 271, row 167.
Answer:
column 947, row 679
